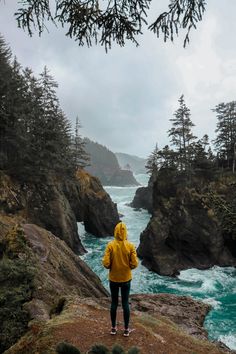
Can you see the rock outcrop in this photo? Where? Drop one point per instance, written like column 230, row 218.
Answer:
column 143, row 197
column 123, row 178
column 105, row 166
column 187, row 228
column 136, row 164
column 84, row 322
column 58, row 205
column 40, row 271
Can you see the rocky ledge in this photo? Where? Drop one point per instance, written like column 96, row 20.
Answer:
column 85, row 321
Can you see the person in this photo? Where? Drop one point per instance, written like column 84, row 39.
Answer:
column 120, row 258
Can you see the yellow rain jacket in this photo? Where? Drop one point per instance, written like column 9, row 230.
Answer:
column 120, row 256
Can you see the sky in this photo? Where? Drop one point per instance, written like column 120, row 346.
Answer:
column 125, row 98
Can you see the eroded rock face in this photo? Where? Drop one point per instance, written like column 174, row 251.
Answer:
column 38, row 270
column 59, row 271
column 57, row 205
column 48, row 207
column 184, row 231
column 143, row 199
column 93, row 206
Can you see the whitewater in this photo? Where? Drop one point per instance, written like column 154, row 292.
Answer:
column 215, row 286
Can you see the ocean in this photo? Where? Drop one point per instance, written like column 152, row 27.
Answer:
column 215, row 286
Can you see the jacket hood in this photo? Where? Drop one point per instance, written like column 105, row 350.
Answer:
column 120, row 232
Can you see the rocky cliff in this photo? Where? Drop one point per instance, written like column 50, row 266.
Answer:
column 136, row 164
column 105, row 166
column 49, row 295
column 57, row 205
column 190, row 226
column 37, row 270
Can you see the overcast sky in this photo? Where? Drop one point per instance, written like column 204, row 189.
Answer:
column 125, row 98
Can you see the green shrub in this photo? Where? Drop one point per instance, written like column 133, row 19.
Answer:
column 118, row 349
column 133, row 350
column 66, row 348
column 16, row 285
column 99, row 349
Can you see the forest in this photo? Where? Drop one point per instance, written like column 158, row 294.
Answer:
column 37, row 137
column 192, row 156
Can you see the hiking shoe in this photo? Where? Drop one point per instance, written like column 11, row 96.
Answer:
column 126, row 332
column 113, row 330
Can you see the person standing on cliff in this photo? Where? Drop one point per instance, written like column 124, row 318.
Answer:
column 120, row 258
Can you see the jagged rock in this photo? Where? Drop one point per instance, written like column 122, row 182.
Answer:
column 94, row 206
column 184, row 231
column 143, row 199
column 57, row 205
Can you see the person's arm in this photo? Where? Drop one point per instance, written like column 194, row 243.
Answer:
column 133, row 262
column 106, row 261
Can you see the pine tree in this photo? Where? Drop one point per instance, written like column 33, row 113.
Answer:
column 13, row 105
column 181, row 135
column 108, row 21
column 80, row 155
column 5, row 78
column 53, row 134
column 167, row 158
column 35, row 133
column 226, row 132
column 152, row 164
column 202, row 165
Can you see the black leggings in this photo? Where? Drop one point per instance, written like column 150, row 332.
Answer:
column 125, row 289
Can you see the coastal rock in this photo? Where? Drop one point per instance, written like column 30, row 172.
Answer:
column 123, row 178
column 37, row 271
column 134, row 163
column 58, row 205
column 93, row 205
column 143, row 199
column 187, row 313
column 143, row 196
column 60, row 272
column 185, row 230
column 165, row 324
column 104, row 165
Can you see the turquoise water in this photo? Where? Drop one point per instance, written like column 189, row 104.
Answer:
column 215, row 286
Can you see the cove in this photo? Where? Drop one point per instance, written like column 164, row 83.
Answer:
column 216, row 286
